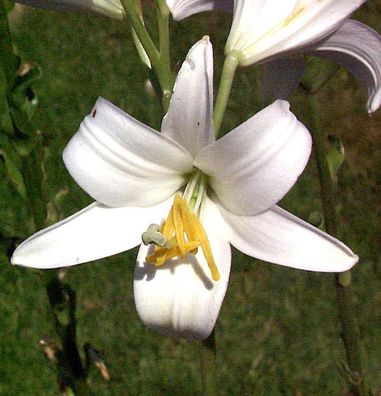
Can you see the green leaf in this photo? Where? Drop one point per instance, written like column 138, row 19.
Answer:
column 5, row 117
column 23, row 100
column 21, row 121
column 7, row 58
column 12, row 164
column 15, row 218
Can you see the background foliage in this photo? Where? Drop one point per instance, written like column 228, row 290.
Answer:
column 278, row 332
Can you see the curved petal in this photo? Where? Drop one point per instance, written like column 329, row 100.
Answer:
column 109, row 8
column 122, row 162
column 255, row 165
column 282, row 76
column 358, row 48
column 263, row 29
column 94, row 232
column 281, row 238
column 180, row 299
column 181, row 9
column 189, row 120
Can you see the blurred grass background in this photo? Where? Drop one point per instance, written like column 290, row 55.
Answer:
column 278, row 332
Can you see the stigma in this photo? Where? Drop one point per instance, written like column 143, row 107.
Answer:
column 182, row 233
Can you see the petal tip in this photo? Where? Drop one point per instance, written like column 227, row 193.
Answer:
column 14, row 260
column 354, row 260
column 374, row 103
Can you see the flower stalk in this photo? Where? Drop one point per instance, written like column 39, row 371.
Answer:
column 162, row 13
column 227, row 77
column 349, row 334
column 208, row 366
column 159, row 58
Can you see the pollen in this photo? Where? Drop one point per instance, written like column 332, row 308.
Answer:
column 184, row 234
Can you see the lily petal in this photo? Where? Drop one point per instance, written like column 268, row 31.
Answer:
column 282, row 76
column 94, row 232
column 192, row 100
column 119, row 161
column 181, row 9
column 358, row 48
column 109, row 8
column 279, row 237
column 282, row 26
column 180, row 299
column 255, row 165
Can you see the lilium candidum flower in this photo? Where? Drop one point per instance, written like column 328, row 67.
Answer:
column 272, row 31
column 188, row 196
column 110, row 8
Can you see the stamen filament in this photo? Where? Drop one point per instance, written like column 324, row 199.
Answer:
column 168, row 226
column 183, row 232
column 200, row 196
column 170, row 253
column 179, row 229
column 189, row 189
column 205, row 246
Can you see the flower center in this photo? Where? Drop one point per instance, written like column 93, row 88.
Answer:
column 182, row 232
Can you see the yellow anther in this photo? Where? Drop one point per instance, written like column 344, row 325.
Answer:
column 205, row 246
column 187, row 220
column 184, row 234
column 178, row 223
column 155, row 258
column 168, row 226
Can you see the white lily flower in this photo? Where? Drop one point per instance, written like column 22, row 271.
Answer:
column 217, row 193
column 354, row 46
column 109, row 8
column 269, row 31
column 263, row 29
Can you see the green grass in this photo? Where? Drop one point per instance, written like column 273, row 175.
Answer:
column 278, row 332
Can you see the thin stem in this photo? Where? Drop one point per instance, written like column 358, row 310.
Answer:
column 162, row 12
column 160, row 63
column 30, row 168
column 32, row 173
column 61, row 297
column 163, row 25
column 208, row 366
column 227, row 77
column 349, row 333
column 141, row 31
column 139, row 47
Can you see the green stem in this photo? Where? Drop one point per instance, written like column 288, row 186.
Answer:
column 141, row 31
column 208, row 366
column 227, row 77
column 162, row 12
column 32, row 173
column 159, row 63
column 349, row 333
column 61, row 297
